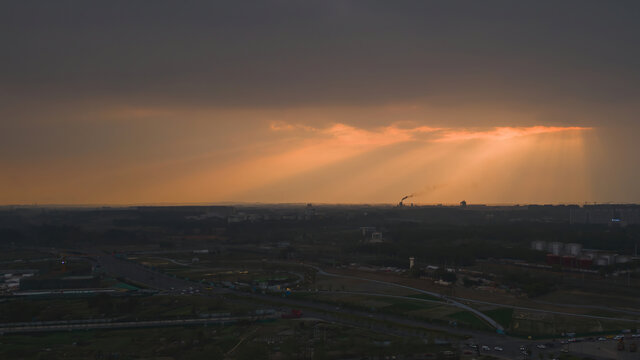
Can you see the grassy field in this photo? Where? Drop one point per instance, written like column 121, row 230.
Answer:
column 502, row 315
column 416, row 309
column 23, row 254
column 207, row 270
column 105, row 306
column 552, row 325
column 367, row 302
column 468, row 319
column 192, row 343
column 285, row 339
column 596, row 298
column 333, row 283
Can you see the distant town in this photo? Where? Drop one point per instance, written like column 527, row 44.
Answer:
column 463, row 281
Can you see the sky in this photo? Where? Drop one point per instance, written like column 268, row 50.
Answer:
column 154, row 102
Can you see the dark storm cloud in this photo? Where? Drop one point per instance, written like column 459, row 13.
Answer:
column 147, row 101
column 299, row 53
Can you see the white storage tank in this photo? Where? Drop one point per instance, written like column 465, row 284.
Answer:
column 621, row 259
column 573, row 249
column 611, row 258
column 539, row 245
column 556, row 248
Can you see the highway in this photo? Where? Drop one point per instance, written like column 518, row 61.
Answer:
column 449, row 300
column 148, row 277
column 120, row 324
column 457, row 301
column 596, row 317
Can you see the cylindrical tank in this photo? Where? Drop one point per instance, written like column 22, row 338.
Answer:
column 573, row 249
column 621, row 259
column 539, row 245
column 611, row 258
column 555, row 248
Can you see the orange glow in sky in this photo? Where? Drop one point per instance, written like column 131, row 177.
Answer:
column 343, row 163
column 281, row 160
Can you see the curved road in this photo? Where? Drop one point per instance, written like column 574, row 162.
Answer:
column 449, row 300
column 552, row 312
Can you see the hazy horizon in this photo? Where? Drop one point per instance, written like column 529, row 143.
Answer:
column 406, row 204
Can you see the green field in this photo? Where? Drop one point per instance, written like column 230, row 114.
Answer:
column 501, row 315
column 551, row 325
column 470, row 320
column 250, row 341
column 105, row 306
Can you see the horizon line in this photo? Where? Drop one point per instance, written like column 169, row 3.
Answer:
column 299, row 203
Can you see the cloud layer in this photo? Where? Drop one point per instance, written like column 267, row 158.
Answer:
column 332, row 101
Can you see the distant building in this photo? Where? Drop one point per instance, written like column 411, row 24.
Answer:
column 309, row 211
column 573, row 249
column 607, row 258
column 367, row 230
column 376, row 237
column 572, row 255
column 442, row 282
column 614, row 215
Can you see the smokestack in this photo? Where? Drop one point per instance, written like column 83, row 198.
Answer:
column 404, row 198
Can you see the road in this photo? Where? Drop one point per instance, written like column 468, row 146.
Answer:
column 120, row 324
column 457, row 301
column 447, row 299
column 551, row 312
